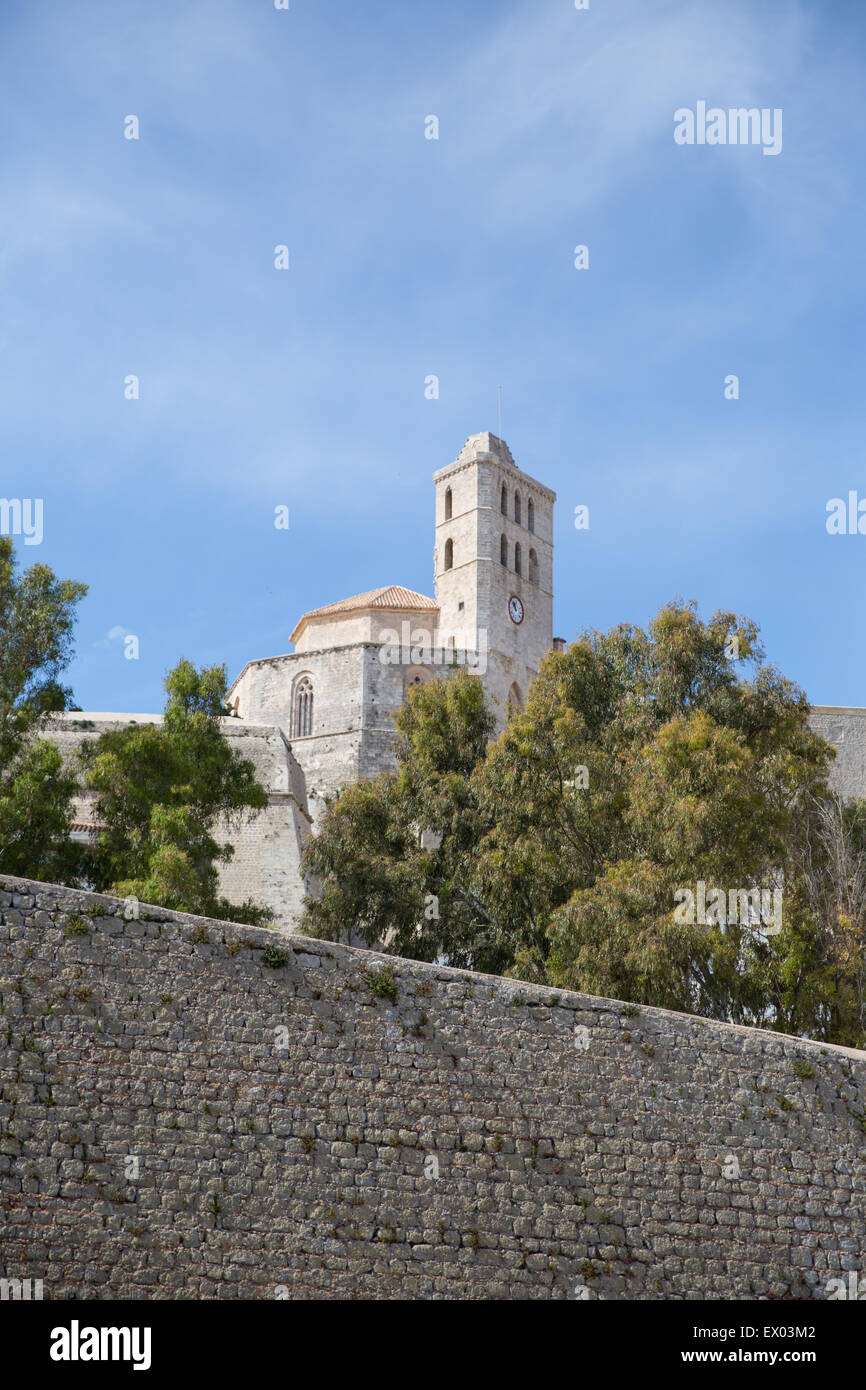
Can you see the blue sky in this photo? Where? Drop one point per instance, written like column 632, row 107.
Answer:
column 411, row 257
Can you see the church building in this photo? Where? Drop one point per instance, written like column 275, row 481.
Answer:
column 320, row 717
column 354, row 660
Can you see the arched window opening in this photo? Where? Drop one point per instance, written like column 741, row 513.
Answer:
column 304, row 708
column 449, row 554
column 518, row 559
column 515, row 699
column 447, row 504
column 503, row 551
column 517, row 507
column 503, row 501
column 530, row 515
column 533, row 567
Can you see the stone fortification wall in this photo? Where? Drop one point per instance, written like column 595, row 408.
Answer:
column 192, row 1109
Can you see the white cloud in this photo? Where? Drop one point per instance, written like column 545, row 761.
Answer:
column 114, row 634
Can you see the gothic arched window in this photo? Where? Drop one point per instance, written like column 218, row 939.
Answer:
column 449, row 554
column 503, row 501
column 533, row 567
column 447, row 504
column 517, row 507
column 530, row 515
column 503, row 551
column 518, row 559
column 304, row 708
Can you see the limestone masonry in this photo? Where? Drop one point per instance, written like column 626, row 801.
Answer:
column 191, row 1109
column 321, row 716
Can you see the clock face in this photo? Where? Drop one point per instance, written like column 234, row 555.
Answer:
column 515, row 609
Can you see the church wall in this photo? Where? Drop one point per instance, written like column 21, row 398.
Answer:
column 517, row 649
column 527, row 642
column 384, row 692
column 267, row 861
column 263, row 691
column 457, row 585
column 463, row 482
column 343, row 631
column 266, row 690
column 845, row 728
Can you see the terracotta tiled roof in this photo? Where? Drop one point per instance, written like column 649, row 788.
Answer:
column 393, row 596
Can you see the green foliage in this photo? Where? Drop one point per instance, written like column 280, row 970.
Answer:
column 36, row 794
column 77, row 926
column 275, row 957
column 161, row 792
column 693, row 773
column 377, row 878
column 37, row 615
column 381, row 983
column 820, row 988
column 644, row 762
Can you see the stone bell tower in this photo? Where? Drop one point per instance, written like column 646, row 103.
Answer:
column 493, row 565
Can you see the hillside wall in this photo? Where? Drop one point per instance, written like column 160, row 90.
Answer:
column 180, row 1120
